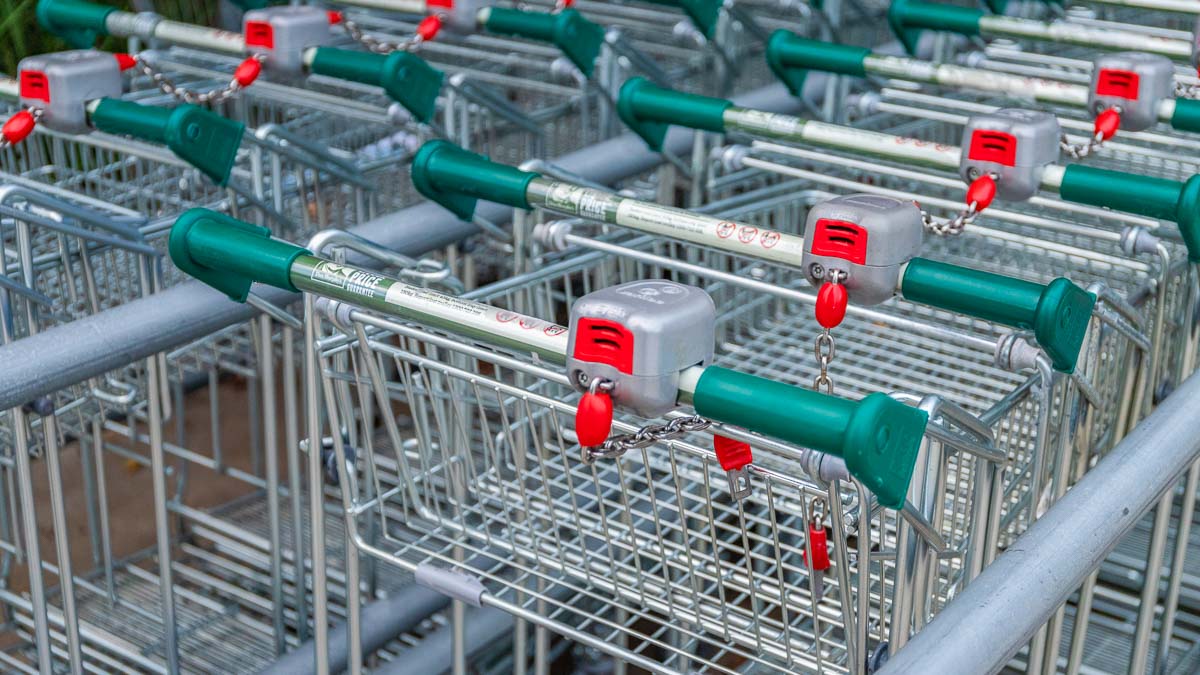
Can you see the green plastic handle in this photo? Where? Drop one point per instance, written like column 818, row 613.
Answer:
column 229, row 254
column 407, row 78
column 649, row 110
column 998, row 6
column 457, row 179
column 76, row 21
column 1058, row 313
column 579, row 39
column 908, row 17
column 1186, row 116
column 791, row 57
column 203, row 139
column 703, row 13
column 878, row 436
column 1143, row 195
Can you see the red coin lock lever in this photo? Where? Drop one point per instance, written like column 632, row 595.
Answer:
column 981, row 192
column 429, row 27
column 18, row 127
column 593, row 418
column 818, row 540
column 1107, row 123
column 831, row 304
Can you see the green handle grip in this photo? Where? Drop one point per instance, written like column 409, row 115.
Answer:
column 998, row 6
column 908, row 17
column 203, row 139
column 457, row 179
column 229, row 254
column 878, row 436
column 1143, row 195
column 791, row 57
column 703, row 13
column 649, row 110
column 1186, row 116
column 407, row 78
column 1058, row 313
column 579, row 39
column 76, row 21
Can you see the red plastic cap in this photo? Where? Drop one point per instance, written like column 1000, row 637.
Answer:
column 247, row 72
column 819, row 542
column 831, row 304
column 429, row 27
column 124, row 61
column 18, row 127
column 1107, row 123
column 981, row 192
column 335, row 17
column 732, row 454
column 593, row 419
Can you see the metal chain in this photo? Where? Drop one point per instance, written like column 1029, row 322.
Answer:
column 645, row 437
column 1183, row 90
column 824, row 349
column 951, row 226
column 169, row 87
column 1080, row 151
column 378, row 45
column 37, row 118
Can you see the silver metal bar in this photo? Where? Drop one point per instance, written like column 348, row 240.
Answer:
column 1025, row 585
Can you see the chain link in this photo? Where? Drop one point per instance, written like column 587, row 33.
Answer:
column 170, row 88
column 1080, row 151
column 825, row 349
column 37, row 114
column 1184, row 90
column 951, row 226
column 378, row 45
column 645, row 437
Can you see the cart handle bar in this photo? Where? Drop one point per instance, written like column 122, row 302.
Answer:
column 1058, row 313
column 878, row 436
column 201, row 138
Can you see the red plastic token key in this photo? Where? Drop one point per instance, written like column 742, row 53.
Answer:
column 1107, row 123
column 247, row 72
column 429, row 27
column 981, row 192
column 831, row 304
column 335, row 17
column 593, row 419
column 732, row 454
column 817, row 539
column 18, row 127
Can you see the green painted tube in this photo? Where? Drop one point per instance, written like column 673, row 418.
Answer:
column 791, row 57
column 1058, row 313
column 1186, row 116
column 703, row 13
column 1143, row 195
column 877, row 436
column 649, row 110
column 229, row 254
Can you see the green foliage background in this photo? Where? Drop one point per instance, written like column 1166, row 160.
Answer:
column 20, row 34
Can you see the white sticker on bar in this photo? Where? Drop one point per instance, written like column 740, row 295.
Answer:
column 727, row 235
column 765, row 123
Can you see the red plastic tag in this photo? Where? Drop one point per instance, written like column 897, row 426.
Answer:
column 817, row 539
column 593, row 419
column 981, row 191
column 831, row 305
column 732, row 454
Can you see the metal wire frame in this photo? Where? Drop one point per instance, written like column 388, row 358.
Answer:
column 1013, row 407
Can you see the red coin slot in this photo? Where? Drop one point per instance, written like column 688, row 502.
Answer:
column 993, row 146
column 1119, row 83
column 35, row 85
column 840, row 239
column 260, row 34
column 601, row 341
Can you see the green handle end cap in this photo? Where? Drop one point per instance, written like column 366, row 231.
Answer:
column 703, row 13
column 1061, row 322
column 229, row 254
column 76, row 21
column 881, row 446
column 410, row 81
column 791, row 57
column 1186, row 116
column 654, row 133
column 579, row 40
column 1187, row 216
column 908, row 37
column 457, row 179
column 908, row 17
column 205, row 140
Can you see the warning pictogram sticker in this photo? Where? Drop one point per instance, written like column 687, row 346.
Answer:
column 725, row 229
column 747, row 234
column 769, row 239
column 505, row 317
column 554, row 331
